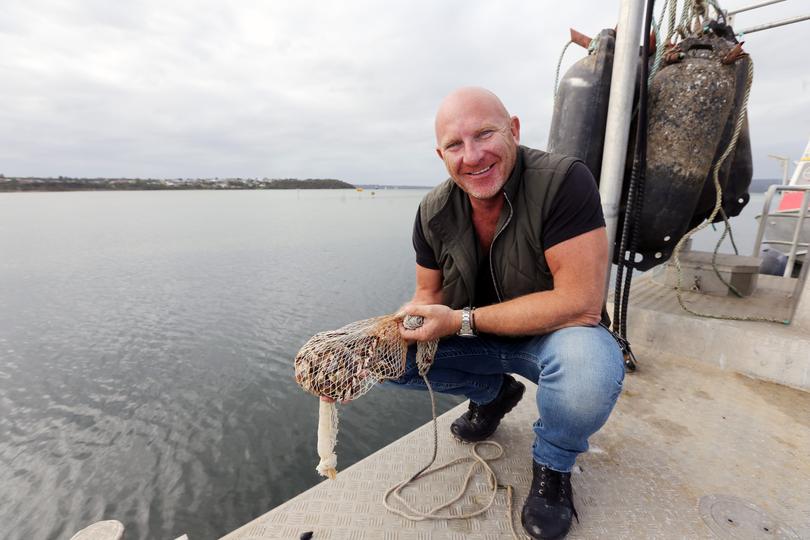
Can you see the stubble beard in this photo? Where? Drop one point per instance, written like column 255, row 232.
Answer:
column 482, row 192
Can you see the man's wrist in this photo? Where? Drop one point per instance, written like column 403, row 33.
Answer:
column 466, row 328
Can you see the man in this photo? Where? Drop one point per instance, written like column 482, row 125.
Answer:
column 511, row 269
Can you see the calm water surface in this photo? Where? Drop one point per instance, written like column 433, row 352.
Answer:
column 146, row 346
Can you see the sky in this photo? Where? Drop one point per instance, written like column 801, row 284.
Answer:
column 313, row 89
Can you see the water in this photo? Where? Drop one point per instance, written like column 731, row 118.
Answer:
column 146, row 341
column 744, row 230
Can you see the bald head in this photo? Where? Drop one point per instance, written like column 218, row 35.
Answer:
column 477, row 140
column 465, row 101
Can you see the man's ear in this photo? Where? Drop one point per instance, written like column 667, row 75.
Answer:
column 514, row 126
column 439, row 153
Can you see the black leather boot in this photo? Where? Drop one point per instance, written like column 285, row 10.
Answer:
column 549, row 507
column 481, row 421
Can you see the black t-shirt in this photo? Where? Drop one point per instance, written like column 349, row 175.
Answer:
column 576, row 209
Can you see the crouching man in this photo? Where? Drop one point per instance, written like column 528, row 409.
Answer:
column 511, row 262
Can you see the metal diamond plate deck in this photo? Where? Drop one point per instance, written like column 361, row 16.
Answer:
column 681, row 430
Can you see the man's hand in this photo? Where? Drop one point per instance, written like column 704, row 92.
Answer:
column 439, row 321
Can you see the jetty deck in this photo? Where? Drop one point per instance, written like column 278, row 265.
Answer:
column 691, row 451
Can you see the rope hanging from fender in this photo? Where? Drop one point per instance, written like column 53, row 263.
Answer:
column 557, row 73
column 693, row 21
column 717, row 208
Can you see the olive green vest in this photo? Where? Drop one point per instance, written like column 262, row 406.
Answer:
column 516, row 259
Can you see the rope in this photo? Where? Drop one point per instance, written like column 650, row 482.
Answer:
column 684, row 27
column 717, row 207
column 425, row 352
column 557, row 73
column 691, row 13
column 730, row 235
column 672, row 14
column 726, row 231
column 660, row 41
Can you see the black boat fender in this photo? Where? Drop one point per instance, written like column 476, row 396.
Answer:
column 581, row 103
column 736, row 172
column 690, row 103
column 736, row 195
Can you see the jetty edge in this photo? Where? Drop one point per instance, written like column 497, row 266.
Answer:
column 695, row 446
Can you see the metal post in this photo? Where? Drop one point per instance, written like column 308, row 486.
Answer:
column 801, row 298
column 763, row 219
column 796, row 232
column 620, row 106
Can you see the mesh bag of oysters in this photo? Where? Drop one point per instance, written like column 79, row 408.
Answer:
column 344, row 364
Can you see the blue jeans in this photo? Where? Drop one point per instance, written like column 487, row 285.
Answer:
column 578, row 371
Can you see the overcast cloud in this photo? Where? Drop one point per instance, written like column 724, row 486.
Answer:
column 347, row 90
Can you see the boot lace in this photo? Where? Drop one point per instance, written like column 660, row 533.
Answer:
column 474, row 412
column 552, row 485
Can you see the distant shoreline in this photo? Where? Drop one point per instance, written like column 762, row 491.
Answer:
column 143, row 184
column 20, row 184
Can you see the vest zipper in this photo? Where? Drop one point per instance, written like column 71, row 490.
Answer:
column 492, row 245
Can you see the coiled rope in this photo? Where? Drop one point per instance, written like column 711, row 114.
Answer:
column 425, row 351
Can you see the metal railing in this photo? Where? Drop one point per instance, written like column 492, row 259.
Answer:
column 731, row 14
column 802, row 213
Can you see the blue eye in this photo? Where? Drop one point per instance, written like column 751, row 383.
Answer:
column 453, row 145
column 486, row 134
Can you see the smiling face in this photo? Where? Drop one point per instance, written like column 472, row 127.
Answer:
column 477, row 140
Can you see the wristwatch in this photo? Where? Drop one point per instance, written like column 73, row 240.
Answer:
column 467, row 325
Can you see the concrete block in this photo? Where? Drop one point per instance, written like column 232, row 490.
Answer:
column 697, row 273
